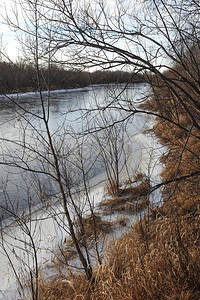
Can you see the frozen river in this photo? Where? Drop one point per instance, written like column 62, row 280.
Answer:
column 23, row 137
column 75, row 121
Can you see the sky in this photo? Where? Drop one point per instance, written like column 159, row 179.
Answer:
column 8, row 39
column 9, row 44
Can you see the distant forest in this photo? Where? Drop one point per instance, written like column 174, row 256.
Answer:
column 22, row 78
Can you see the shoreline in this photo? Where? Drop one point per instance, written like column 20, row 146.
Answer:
column 47, row 226
column 21, row 95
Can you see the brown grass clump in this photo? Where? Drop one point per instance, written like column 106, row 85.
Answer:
column 157, row 259
column 131, row 199
column 113, row 203
column 77, row 287
column 154, row 261
column 114, row 189
column 93, row 227
column 122, row 221
column 94, row 221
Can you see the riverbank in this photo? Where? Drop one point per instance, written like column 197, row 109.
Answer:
column 159, row 257
column 144, row 154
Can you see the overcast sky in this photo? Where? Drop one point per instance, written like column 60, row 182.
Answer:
column 9, row 40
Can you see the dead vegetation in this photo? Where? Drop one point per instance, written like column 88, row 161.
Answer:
column 93, row 228
column 95, row 222
column 131, row 199
column 159, row 257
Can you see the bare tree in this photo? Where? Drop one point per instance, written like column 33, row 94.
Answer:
column 48, row 156
column 147, row 37
column 110, row 143
column 157, row 39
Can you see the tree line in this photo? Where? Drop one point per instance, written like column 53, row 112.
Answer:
column 22, row 77
column 165, row 36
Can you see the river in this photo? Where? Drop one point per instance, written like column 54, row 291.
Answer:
column 23, row 136
column 23, row 144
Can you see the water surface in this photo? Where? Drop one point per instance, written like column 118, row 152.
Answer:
column 24, row 141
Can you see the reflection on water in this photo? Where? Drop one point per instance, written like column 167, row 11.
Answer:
column 23, row 136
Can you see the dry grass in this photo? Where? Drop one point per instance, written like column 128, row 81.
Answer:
column 61, row 289
column 131, row 199
column 93, row 226
column 156, row 260
column 122, row 220
column 159, row 257
column 112, row 189
column 95, row 221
